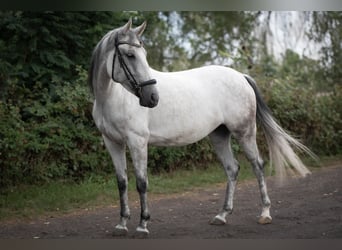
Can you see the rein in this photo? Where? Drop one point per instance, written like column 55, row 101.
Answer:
column 137, row 87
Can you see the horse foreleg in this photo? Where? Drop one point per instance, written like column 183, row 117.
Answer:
column 118, row 155
column 138, row 149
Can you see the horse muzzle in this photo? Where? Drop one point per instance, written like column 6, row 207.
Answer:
column 148, row 94
column 149, row 100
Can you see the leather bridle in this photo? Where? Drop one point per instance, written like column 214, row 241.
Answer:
column 137, row 87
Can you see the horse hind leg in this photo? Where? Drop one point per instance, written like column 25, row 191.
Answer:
column 248, row 143
column 220, row 139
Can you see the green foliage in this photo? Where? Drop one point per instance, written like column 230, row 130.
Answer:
column 315, row 117
column 327, row 30
column 216, row 32
column 294, row 93
column 46, row 128
column 45, row 47
column 44, row 137
column 168, row 159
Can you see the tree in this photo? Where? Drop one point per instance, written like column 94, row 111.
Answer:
column 183, row 40
column 45, row 47
column 212, row 34
column 163, row 52
column 327, row 30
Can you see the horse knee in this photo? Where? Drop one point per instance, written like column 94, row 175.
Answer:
column 122, row 184
column 141, row 185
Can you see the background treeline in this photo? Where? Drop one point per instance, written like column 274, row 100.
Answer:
column 46, row 128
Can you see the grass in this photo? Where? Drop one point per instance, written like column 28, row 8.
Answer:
column 55, row 197
column 62, row 196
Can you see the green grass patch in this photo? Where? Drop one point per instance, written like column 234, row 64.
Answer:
column 57, row 197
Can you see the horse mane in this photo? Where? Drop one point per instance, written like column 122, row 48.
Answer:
column 98, row 53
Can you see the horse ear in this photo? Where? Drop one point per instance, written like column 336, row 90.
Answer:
column 140, row 30
column 127, row 26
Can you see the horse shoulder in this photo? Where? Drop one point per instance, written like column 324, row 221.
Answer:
column 118, row 115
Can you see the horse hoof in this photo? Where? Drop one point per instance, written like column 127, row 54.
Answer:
column 120, row 230
column 218, row 220
column 265, row 220
column 142, row 232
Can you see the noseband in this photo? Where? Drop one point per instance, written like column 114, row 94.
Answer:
column 137, row 87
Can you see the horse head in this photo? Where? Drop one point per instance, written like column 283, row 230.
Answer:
column 130, row 67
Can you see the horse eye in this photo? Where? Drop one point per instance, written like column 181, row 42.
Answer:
column 130, row 54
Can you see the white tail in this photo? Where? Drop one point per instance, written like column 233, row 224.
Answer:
column 282, row 155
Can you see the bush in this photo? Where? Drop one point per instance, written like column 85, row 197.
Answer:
column 169, row 159
column 45, row 136
column 312, row 116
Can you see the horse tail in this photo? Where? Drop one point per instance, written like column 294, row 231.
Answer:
column 282, row 155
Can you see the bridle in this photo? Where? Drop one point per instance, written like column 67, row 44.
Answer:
column 137, row 87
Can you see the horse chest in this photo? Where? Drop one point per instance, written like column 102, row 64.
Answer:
column 118, row 124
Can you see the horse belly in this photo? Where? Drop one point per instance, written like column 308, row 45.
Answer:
column 181, row 138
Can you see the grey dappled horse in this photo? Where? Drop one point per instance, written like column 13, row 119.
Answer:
column 138, row 106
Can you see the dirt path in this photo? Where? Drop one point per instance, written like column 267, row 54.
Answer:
column 303, row 208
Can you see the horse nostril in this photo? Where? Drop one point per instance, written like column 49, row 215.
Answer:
column 154, row 98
